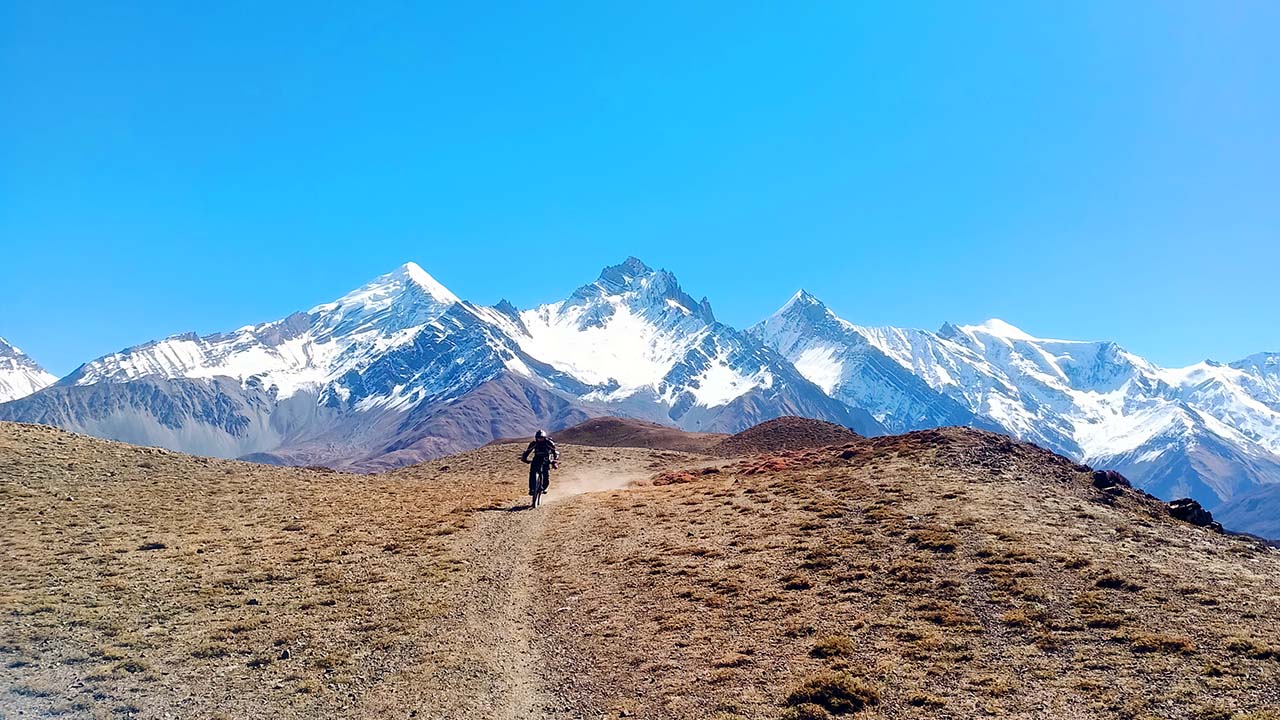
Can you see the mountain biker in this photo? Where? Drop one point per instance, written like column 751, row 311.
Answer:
column 545, row 456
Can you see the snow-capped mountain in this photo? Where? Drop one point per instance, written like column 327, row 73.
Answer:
column 838, row 357
column 642, row 345
column 1209, row 431
column 19, row 374
column 401, row 369
column 337, row 384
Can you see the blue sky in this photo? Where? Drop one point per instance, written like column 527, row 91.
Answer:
column 1086, row 170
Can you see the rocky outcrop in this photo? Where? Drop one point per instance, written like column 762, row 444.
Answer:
column 1188, row 510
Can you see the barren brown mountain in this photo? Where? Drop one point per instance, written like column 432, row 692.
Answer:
column 626, row 432
column 947, row 573
column 784, row 433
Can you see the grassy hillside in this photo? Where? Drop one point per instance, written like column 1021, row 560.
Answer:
column 940, row 574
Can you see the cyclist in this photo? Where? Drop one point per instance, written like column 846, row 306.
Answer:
column 545, row 455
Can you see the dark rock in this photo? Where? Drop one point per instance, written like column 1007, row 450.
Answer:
column 1105, row 479
column 1189, row 510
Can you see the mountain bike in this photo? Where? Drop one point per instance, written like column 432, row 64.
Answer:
column 539, row 477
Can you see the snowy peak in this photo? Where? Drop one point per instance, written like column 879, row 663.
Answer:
column 623, row 275
column 997, row 328
column 992, row 330
column 419, row 277
column 19, row 374
column 1209, row 429
column 635, row 336
column 804, row 304
column 408, row 286
column 11, row 358
column 304, row 352
column 644, row 291
column 802, row 299
column 845, row 361
column 624, row 333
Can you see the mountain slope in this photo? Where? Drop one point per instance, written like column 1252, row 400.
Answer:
column 19, row 374
column 948, row 573
column 401, row 370
column 642, row 342
column 1174, row 431
column 837, row 357
column 326, row 386
column 1209, row 431
column 623, row 432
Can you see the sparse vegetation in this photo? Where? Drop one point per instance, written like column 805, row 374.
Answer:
column 837, row 693
column 953, row 589
column 832, row 646
column 937, row 574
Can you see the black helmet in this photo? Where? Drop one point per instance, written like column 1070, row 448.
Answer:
column 540, row 434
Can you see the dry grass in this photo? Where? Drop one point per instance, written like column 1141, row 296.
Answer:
column 955, row 574
column 945, row 574
column 139, row 578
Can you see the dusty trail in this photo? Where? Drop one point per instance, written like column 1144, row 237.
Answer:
column 499, row 617
column 502, row 672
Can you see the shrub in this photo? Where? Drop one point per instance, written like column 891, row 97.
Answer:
column 832, row 646
column 1153, row 642
column 796, row 582
column 837, row 693
column 920, row 699
column 935, row 540
column 1252, row 649
column 1110, row 581
column 1017, row 618
column 133, row 665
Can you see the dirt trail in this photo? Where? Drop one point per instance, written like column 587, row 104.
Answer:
column 498, row 620
column 506, row 678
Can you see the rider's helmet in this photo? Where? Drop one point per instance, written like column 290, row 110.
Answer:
column 540, row 434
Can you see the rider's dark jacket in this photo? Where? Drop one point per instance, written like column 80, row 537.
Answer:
column 542, row 449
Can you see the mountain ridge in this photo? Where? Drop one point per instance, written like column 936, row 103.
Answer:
column 401, row 369
column 1208, row 431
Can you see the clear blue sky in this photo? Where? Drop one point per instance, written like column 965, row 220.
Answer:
column 1091, row 170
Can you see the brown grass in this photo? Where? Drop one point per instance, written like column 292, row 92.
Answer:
column 955, row 573
column 942, row 574
column 139, row 577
